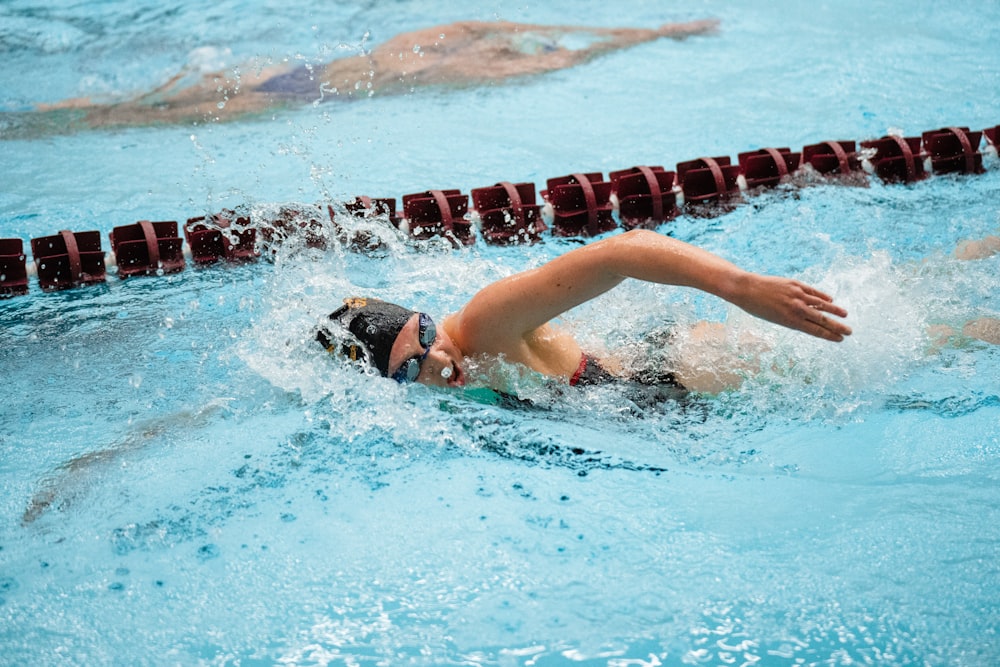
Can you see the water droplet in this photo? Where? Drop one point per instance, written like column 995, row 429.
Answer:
column 208, row 552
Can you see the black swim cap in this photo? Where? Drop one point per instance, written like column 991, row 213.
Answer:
column 374, row 325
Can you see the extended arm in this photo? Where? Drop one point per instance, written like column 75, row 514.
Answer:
column 514, row 307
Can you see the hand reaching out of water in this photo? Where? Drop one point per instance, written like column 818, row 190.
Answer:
column 792, row 304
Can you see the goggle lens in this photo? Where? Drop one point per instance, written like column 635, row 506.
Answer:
column 426, row 335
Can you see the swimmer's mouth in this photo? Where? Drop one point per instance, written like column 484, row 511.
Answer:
column 457, row 378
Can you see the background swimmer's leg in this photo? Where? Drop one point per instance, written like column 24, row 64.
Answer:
column 710, row 360
column 73, row 478
column 978, row 248
column 985, row 329
column 186, row 97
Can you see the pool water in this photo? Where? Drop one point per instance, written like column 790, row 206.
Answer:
column 186, row 481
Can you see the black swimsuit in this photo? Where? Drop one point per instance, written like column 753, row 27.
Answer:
column 299, row 83
column 590, row 373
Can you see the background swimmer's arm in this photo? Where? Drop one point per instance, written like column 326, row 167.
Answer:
column 503, row 313
column 185, row 97
column 607, row 40
column 478, row 52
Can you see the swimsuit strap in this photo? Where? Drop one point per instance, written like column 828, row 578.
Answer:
column 590, row 372
column 579, row 370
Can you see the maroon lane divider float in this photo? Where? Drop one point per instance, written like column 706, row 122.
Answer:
column 13, row 271
column 508, row 213
column 68, row 259
column 897, row 159
column 832, row 157
column 224, row 235
column 767, row 167
column 647, row 196
column 582, row 204
column 708, row 181
column 954, row 149
column 439, row 213
column 147, row 248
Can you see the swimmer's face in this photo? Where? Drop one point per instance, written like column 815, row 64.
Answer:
column 440, row 365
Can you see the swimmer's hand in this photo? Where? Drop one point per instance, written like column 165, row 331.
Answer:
column 792, row 304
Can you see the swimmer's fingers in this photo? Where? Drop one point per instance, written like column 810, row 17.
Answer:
column 825, row 328
column 821, row 301
column 793, row 304
column 818, row 324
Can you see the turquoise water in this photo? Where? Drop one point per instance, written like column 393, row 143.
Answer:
column 186, row 481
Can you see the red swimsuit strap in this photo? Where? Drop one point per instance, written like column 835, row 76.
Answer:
column 579, row 371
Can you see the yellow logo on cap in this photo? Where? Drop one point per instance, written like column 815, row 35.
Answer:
column 355, row 302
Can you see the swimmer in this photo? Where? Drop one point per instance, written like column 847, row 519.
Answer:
column 467, row 53
column 512, row 319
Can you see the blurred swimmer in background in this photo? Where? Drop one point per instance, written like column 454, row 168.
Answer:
column 467, row 53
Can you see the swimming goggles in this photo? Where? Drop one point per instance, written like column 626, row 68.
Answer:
column 426, row 335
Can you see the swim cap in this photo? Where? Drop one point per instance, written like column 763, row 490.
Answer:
column 374, row 325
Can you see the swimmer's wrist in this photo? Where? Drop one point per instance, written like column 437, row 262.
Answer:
column 736, row 285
